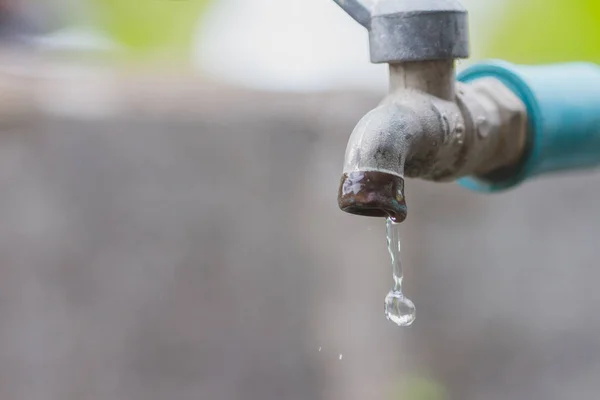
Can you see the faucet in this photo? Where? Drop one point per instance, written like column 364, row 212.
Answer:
column 491, row 127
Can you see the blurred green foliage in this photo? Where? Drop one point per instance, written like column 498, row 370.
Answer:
column 546, row 31
column 150, row 26
column 419, row 388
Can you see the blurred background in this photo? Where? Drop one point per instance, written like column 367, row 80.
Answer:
column 169, row 171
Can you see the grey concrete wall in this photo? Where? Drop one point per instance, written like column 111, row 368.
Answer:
column 191, row 248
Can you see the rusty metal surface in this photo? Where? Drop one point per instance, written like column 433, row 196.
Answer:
column 373, row 194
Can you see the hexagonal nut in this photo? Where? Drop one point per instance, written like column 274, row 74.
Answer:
column 510, row 110
column 403, row 31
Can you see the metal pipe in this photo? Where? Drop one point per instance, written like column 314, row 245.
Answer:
column 563, row 127
column 435, row 77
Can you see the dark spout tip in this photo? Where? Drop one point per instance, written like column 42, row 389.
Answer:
column 373, row 194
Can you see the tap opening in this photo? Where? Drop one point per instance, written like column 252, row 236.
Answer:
column 373, row 194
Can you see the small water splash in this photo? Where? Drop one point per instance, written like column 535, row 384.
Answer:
column 398, row 309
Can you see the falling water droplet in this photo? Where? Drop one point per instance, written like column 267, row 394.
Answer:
column 341, row 356
column 398, row 309
column 320, row 348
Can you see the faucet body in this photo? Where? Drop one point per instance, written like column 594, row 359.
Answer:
column 494, row 127
column 436, row 129
column 429, row 126
column 432, row 128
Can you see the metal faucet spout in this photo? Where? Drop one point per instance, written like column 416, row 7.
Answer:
column 409, row 134
column 373, row 178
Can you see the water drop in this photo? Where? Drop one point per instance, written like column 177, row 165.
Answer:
column 398, row 309
column 320, row 348
column 341, row 356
